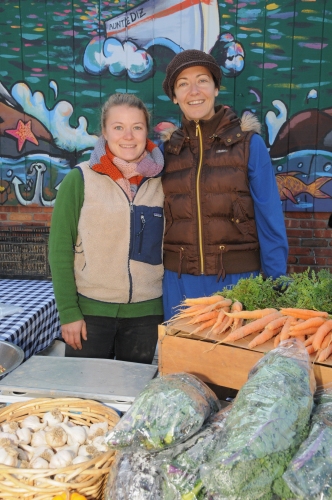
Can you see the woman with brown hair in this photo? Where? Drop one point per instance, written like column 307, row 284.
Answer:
column 105, row 247
column 224, row 219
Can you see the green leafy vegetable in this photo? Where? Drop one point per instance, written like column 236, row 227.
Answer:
column 309, row 473
column 268, row 421
column 307, row 290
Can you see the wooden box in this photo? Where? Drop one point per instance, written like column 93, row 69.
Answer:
column 225, row 365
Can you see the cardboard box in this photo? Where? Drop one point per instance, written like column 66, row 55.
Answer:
column 226, row 365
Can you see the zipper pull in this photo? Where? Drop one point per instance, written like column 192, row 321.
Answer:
column 131, row 206
column 196, row 127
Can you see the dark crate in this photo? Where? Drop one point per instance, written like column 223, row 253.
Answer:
column 24, row 252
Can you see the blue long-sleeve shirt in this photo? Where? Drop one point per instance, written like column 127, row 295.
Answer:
column 270, row 228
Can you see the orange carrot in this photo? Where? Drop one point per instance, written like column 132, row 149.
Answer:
column 302, row 313
column 310, row 349
column 327, row 341
column 276, row 340
column 203, row 317
column 309, row 340
column 252, row 327
column 308, row 323
column 203, row 326
column 237, row 323
column 226, row 325
column 324, row 354
column 256, row 314
column 284, row 334
column 301, row 338
column 300, row 333
column 220, row 317
column 321, row 333
column 266, row 335
column 203, row 300
column 237, row 306
column 276, row 323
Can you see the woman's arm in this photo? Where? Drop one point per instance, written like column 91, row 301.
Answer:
column 63, row 236
column 268, row 210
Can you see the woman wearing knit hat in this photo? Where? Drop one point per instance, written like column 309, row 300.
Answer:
column 224, row 219
column 105, row 246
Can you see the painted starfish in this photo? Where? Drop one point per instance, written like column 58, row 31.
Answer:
column 23, row 133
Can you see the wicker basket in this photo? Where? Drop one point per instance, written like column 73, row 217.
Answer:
column 87, row 478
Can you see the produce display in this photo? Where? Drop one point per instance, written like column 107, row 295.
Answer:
column 295, row 306
column 309, row 473
column 266, row 424
column 50, row 442
column 169, row 410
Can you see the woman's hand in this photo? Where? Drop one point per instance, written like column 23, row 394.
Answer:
column 72, row 332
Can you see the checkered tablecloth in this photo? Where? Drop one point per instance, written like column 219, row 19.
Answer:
column 35, row 328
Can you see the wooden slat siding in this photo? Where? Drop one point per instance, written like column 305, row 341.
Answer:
column 225, row 365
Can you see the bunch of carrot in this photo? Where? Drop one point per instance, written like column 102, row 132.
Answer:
column 221, row 315
column 208, row 312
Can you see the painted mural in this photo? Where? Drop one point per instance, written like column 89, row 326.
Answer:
column 60, row 60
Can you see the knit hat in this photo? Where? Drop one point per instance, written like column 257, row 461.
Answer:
column 186, row 59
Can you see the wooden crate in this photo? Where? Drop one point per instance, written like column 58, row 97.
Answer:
column 225, row 365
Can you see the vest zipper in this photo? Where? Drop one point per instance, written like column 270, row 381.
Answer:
column 198, row 196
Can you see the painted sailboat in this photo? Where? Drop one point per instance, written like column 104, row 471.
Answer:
column 180, row 25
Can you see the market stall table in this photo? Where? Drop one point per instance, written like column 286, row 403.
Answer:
column 38, row 325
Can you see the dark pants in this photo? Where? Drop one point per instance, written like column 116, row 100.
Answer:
column 126, row 339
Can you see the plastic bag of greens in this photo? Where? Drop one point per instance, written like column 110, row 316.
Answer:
column 170, row 409
column 182, row 471
column 309, row 473
column 267, row 422
column 134, row 476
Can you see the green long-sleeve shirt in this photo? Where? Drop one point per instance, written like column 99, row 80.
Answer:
column 71, row 305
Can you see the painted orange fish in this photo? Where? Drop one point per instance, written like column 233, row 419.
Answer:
column 290, row 186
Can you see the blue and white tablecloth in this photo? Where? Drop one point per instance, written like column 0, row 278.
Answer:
column 34, row 329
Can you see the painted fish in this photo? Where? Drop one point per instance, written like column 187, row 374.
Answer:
column 290, row 186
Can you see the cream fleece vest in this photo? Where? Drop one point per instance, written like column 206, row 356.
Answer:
column 103, row 268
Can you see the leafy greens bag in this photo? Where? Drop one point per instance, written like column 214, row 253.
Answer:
column 309, row 473
column 169, row 410
column 265, row 426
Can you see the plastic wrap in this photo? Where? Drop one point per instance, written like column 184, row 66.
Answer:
column 134, row 476
column 268, row 420
column 182, row 471
column 309, row 473
column 169, row 410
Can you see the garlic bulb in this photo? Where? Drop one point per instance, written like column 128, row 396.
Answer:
column 33, row 423
column 52, row 418
column 81, row 458
column 98, row 429
column 76, row 433
column 87, row 450
column 8, row 456
column 38, row 438
column 39, row 463
column 35, row 452
column 9, row 427
column 9, row 435
column 72, row 448
column 24, row 435
column 56, row 437
column 62, row 458
column 99, row 443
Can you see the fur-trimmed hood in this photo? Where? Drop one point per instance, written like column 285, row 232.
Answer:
column 248, row 122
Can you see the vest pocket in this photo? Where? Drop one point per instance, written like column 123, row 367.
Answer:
column 147, row 234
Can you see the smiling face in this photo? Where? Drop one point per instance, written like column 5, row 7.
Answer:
column 195, row 93
column 126, row 132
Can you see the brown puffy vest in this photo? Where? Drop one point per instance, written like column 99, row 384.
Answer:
column 210, row 224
